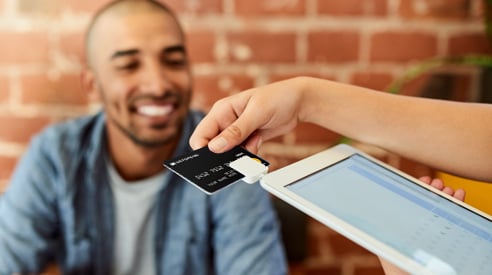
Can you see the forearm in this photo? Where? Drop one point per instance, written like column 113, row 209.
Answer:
column 450, row 136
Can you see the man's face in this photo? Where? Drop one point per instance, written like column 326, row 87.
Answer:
column 142, row 75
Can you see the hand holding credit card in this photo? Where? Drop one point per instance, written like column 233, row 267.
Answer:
column 211, row 172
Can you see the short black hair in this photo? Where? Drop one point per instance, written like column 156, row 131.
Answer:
column 124, row 6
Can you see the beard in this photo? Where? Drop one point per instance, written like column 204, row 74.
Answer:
column 146, row 143
column 129, row 130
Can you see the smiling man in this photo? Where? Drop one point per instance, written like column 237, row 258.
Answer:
column 92, row 195
column 139, row 69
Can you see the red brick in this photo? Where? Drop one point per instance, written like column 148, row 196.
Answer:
column 469, row 43
column 72, row 45
column 7, row 165
column 376, row 81
column 52, row 269
column 279, row 77
column 40, row 7
column 178, row 6
column 322, row 229
column 276, row 161
column 201, row 46
column 209, row 89
column 26, row 47
column 261, row 7
column 342, row 246
column 318, row 238
column 414, row 87
column 353, row 7
column 315, row 246
column 310, row 133
column 376, row 270
column 84, row 6
column 262, row 47
column 19, row 129
column 402, row 47
column 462, row 87
column 435, row 9
column 296, row 268
column 414, row 168
column 333, row 46
column 198, row 6
column 449, row 86
column 482, row 9
column 332, row 269
column 40, row 89
column 3, row 186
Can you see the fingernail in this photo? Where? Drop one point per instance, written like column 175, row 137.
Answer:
column 217, row 144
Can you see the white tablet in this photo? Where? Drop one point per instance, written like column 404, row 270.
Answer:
column 418, row 228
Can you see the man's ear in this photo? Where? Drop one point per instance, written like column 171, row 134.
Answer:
column 89, row 85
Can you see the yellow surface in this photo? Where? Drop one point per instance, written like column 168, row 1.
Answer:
column 478, row 194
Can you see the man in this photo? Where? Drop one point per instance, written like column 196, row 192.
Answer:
column 92, row 193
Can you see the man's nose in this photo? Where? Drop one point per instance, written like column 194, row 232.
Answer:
column 154, row 80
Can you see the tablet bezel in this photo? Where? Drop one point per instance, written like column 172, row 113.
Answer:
column 277, row 181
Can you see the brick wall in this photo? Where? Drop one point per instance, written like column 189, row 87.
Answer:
column 237, row 44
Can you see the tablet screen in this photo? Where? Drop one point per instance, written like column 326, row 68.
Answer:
column 420, row 224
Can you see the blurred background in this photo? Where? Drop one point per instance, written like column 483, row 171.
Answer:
column 238, row 44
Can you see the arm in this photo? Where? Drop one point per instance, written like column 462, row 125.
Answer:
column 27, row 216
column 449, row 136
column 246, row 234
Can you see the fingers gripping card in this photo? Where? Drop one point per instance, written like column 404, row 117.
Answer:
column 211, row 172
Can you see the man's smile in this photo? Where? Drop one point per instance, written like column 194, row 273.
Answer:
column 155, row 110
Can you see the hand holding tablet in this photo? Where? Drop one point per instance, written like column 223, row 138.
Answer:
column 417, row 228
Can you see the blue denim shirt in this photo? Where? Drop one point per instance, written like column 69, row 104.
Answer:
column 59, row 206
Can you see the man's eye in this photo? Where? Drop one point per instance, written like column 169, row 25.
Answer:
column 177, row 62
column 128, row 66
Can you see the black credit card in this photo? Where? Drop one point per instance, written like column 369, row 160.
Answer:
column 208, row 171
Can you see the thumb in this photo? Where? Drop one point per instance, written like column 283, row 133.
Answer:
column 234, row 134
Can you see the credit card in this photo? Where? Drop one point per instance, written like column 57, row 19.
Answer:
column 208, row 171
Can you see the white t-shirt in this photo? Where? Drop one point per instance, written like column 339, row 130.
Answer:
column 134, row 223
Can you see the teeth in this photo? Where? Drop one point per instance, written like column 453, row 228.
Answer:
column 153, row 110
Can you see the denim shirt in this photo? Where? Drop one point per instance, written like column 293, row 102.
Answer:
column 59, row 207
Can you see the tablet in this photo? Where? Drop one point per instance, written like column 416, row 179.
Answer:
column 416, row 227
